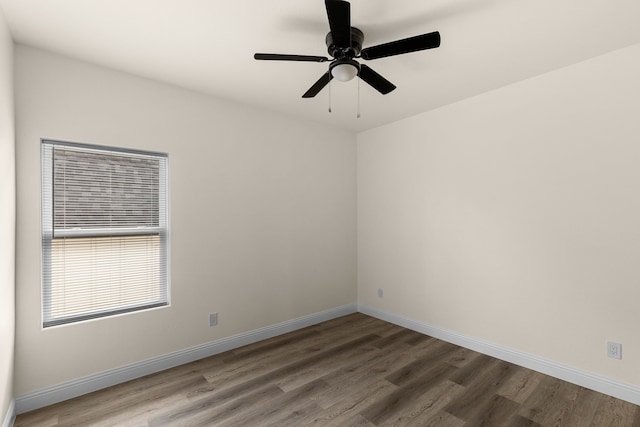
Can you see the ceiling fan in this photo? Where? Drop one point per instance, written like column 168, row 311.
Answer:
column 344, row 44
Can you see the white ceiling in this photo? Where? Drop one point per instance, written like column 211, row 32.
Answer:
column 208, row 46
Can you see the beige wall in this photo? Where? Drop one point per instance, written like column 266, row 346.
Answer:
column 509, row 217
column 7, row 219
column 262, row 214
column 513, row 217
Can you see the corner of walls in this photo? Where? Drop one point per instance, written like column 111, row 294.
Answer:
column 7, row 225
column 10, row 417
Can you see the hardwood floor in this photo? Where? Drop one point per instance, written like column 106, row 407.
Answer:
column 351, row 371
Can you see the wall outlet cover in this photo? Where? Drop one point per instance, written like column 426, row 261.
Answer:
column 213, row 319
column 614, row 350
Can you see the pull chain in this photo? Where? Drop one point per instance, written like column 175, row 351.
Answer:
column 358, row 108
column 358, row 114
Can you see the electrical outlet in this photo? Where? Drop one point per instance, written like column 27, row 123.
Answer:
column 380, row 293
column 614, row 350
column 213, row 319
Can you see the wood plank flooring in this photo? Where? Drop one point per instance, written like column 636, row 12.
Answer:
column 351, row 371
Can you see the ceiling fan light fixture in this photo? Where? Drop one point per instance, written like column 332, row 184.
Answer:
column 344, row 71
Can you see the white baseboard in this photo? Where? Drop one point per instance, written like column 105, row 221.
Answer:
column 628, row 392
column 10, row 417
column 80, row 386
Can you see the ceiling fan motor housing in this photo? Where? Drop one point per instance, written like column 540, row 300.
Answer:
column 346, row 52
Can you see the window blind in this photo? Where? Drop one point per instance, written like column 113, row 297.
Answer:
column 104, row 231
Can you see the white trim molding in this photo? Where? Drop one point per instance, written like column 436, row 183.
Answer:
column 68, row 390
column 627, row 392
column 10, row 417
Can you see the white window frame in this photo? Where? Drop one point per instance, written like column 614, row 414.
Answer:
column 49, row 234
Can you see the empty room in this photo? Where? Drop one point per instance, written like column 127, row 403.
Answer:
column 319, row 212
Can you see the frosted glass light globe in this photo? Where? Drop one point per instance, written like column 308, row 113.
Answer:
column 344, row 72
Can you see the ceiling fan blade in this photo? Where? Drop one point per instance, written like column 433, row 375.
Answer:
column 319, row 85
column 280, row 57
column 339, row 14
column 376, row 81
column 411, row 44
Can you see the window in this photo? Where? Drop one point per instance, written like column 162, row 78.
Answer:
column 104, row 231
